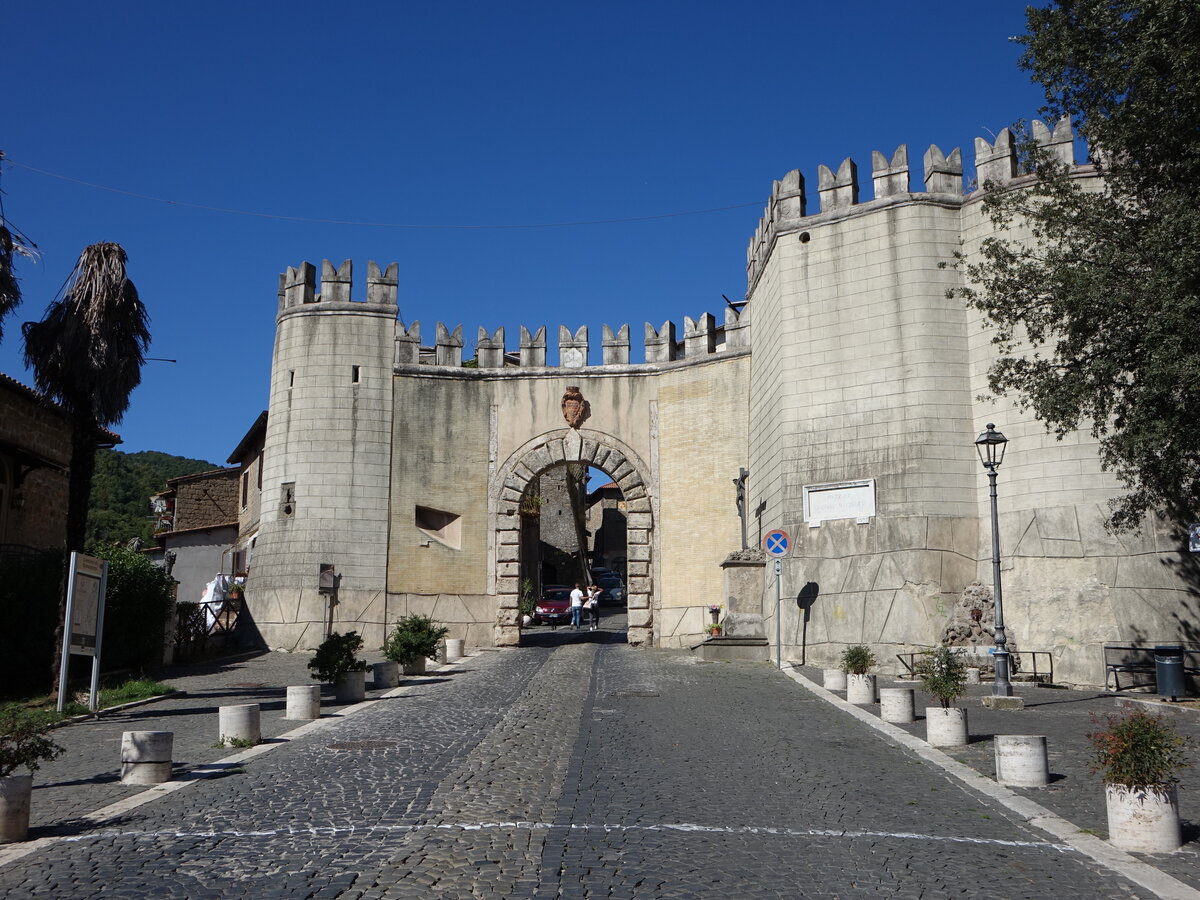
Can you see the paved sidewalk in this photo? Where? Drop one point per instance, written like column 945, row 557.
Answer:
column 576, row 767
column 1065, row 717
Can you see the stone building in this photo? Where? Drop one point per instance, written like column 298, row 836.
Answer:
column 35, row 465
column 853, row 403
column 198, row 529
column 248, row 457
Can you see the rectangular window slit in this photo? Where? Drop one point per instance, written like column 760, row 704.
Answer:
column 354, row 374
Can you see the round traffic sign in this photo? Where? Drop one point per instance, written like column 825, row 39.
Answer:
column 777, row 543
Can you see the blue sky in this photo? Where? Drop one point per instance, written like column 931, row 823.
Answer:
column 451, row 114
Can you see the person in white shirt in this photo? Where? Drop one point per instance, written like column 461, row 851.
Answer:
column 576, row 605
column 592, row 605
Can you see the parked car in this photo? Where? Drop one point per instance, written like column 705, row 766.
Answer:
column 613, row 589
column 554, row 607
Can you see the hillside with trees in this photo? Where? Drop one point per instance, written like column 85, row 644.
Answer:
column 119, row 507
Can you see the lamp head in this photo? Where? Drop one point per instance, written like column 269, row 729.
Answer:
column 991, row 446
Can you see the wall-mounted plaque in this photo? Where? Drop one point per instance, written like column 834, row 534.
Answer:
column 843, row 500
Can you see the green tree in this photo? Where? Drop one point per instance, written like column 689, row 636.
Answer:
column 136, row 606
column 87, row 354
column 1096, row 311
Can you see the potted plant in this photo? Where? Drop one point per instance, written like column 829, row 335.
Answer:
column 943, row 674
column 414, row 640
column 335, row 662
column 857, row 662
column 713, row 628
column 1138, row 754
column 528, row 604
column 23, row 744
column 236, row 590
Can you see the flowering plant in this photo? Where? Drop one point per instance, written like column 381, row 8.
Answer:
column 715, row 608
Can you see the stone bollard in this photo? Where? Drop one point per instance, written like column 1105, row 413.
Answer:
column 386, row 674
column 897, row 705
column 1021, row 760
column 833, row 679
column 973, row 675
column 303, row 701
column 146, row 756
column 455, row 649
column 239, row 723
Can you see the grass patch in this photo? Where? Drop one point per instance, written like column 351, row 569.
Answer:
column 240, row 743
column 128, row 691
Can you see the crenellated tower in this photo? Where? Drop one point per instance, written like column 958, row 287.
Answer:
column 327, row 457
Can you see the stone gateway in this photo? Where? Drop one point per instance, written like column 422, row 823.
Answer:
column 845, row 415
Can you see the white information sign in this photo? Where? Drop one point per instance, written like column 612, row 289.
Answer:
column 85, row 603
column 843, row 500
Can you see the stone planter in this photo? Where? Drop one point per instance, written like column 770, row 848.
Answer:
column 833, row 679
column 351, row 687
column 239, row 723
column 526, row 620
column 946, row 727
column 386, row 674
column 897, row 705
column 303, row 702
column 146, row 756
column 973, row 675
column 1143, row 818
column 416, row 667
column 860, row 689
column 1021, row 760
column 16, row 793
column 455, row 649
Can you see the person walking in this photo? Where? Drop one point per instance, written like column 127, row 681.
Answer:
column 592, row 605
column 576, row 605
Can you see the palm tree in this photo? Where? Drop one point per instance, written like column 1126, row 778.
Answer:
column 87, row 354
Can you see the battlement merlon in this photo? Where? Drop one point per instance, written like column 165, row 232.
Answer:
column 995, row 162
column 298, row 286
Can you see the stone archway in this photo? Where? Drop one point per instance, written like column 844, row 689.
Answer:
column 509, row 482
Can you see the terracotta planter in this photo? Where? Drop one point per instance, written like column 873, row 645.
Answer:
column 350, row 687
column 946, row 727
column 416, row 667
column 860, row 689
column 1143, row 818
column 16, row 792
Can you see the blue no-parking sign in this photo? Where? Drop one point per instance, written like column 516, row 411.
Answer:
column 777, row 543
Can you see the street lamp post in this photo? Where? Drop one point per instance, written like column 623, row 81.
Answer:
column 991, row 446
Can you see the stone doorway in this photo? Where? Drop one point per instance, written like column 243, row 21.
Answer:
column 510, row 485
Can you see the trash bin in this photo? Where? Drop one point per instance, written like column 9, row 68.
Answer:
column 1168, row 670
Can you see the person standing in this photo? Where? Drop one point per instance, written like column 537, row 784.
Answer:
column 576, row 605
column 593, row 606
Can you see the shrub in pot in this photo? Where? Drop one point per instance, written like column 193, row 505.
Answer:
column 857, row 662
column 414, row 639
column 1138, row 754
column 23, row 744
column 944, row 675
column 337, row 663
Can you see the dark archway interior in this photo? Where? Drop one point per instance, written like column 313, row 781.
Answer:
column 573, row 530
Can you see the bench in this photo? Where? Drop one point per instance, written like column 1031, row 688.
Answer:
column 1138, row 660
column 1032, row 665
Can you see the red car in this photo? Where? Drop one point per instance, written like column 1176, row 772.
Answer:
column 555, row 606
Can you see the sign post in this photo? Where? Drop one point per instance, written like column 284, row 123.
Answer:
column 83, row 630
column 777, row 543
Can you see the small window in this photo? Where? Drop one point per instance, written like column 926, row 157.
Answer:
column 245, row 489
column 259, row 467
column 291, row 377
column 287, row 504
column 354, row 374
column 440, row 525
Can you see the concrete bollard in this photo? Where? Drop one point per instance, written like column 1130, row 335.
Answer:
column 1021, row 760
column 973, row 675
column 303, row 701
column 239, row 723
column 897, row 705
column 386, row 674
column 833, row 679
column 146, row 756
column 455, row 649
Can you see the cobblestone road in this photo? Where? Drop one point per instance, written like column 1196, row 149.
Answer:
column 576, row 769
